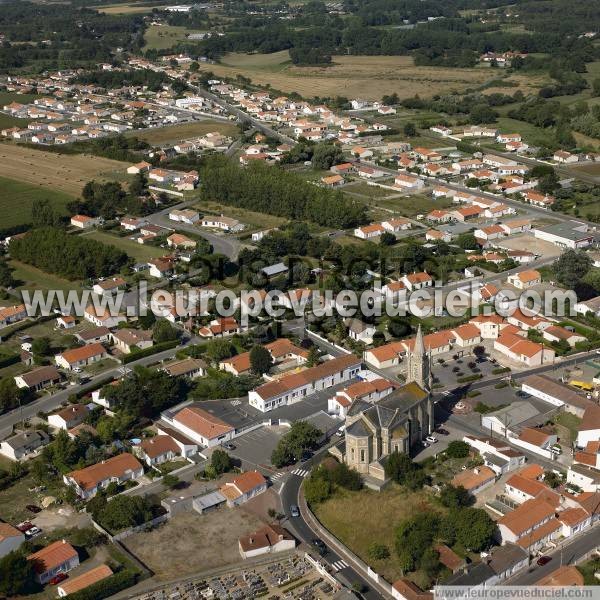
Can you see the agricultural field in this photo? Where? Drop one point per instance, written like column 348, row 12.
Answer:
column 139, row 252
column 412, row 205
column 185, row 131
column 66, row 173
column 367, row 77
column 361, row 518
column 17, row 198
column 592, row 169
column 126, row 8
column 161, row 37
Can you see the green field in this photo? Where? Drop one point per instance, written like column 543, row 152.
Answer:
column 139, row 252
column 17, row 198
column 165, row 36
column 31, row 278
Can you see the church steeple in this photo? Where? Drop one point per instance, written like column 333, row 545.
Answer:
column 418, row 363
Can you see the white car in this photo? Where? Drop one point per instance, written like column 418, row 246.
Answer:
column 431, row 439
column 33, row 532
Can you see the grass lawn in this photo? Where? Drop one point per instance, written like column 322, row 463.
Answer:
column 160, row 37
column 411, row 206
column 371, row 191
column 361, row 518
column 125, row 8
column 8, row 97
column 139, row 252
column 535, row 136
column 10, row 121
column 17, row 198
column 31, row 278
column 569, row 422
column 252, row 220
column 185, row 131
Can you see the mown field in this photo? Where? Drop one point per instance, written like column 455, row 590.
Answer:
column 125, row 8
column 61, row 172
column 139, row 252
column 17, row 198
column 367, row 77
column 160, row 37
column 185, row 131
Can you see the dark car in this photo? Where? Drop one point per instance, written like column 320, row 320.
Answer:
column 320, row 546
column 33, row 508
column 442, row 431
column 58, row 578
column 522, row 394
column 543, row 560
column 24, row 526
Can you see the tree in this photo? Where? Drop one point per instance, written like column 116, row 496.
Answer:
column 378, row 551
column 16, row 574
column 455, row 497
column 474, row 528
column 316, row 489
column 391, row 99
column 163, row 331
column 409, row 129
column 220, row 349
column 467, row 241
column 400, row 468
column 571, row 267
column 302, row 436
column 458, row 449
column 387, row 239
column 261, row 360
column 41, row 346
column 399, row 327
column 326, row 155
column 43, row 215
column 313, row 356
column 552, row 479
column 6, row 274
column 413, row 537
column 220, row 461
column 482, row 113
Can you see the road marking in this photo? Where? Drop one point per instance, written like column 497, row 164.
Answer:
column 277, row 475
column 300, row 472
column 338, row 565
column 236, row 402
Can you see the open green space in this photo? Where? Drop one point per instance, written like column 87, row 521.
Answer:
column 139, row 252
column 30, row 278
column 164, row 36
column 17, row 198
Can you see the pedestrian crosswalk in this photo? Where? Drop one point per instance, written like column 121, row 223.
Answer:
column 277, row 475
column 300, row 472
column 338, row 565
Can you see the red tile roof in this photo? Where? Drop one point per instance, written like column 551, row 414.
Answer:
column 52, row 556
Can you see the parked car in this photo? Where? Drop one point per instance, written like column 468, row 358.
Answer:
column 442, row 431
column 294, row 511
column 543, row 560
column 229, row 446
column 320, row 546
column 24, row 526
column 33, row 532
column 33, row 508
column 58, row 578
column 431, row 439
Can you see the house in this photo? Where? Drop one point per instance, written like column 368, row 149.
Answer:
column 396, row 225
column 187, row 216
column 12, row 314
column 417, row 281
column 102, row 317
column 222, row 327
column 68, row 417
column 332, row 181
column 59, row 557
column 531, row 526
column 513, row 414
column 368, row 172
column 85, row 222
column 118, row 469
column 522, row 350
column 449, row 558
column 556, row 393
column 223, row 223
column 562, row 156
column 186, row 367
column 537, row 439
column 109, row 286
column 556, row 333
column 370, row 391
column 439, row 216
column 475, row 480
column 157, row 450
column 585, row 477
column 65, row 322
column 410, row 182
column 281, row 351
column 141, row 167
column 160, row 267
column 38, row 378
column 128, row 340
column 81, row 582
column 293, row 388
column 499, row 456
column 200, row 426
column 525, row 279
column 267, row 539
column 243, row 488
column 588, row 430
column 404, row 589
column 81, row 357
column 491, row 232
column 368, row 232
column 21, row 445
column 94, row 335
column 566, row 234
column 591, row 306
column 360, row 331
column 10, row 539
column 132, row 223
column 434, row 235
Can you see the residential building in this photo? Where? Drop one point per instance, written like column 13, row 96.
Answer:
column 128, row 340
column 371, row 390
column 96, row 335
column 58, row 557
column 200, row 426
column 243, row 488
column 157, row 450
column 223, row 223
column 368, row 232
column 85, row 222
column 187, row 216
column 282, row 351
column 296, row 386
column 499, row 456
column 10, row 539
column 83, row 581
column 360, row 331
column 223, row 327
column 68, row 417
column 101, row 317
column 475, row 480
column 523, row 351
column 554, row 392
column 588, row 430
column 417, row 281
column 186, row 367
column 109, row 286
column 78, row 358
column 556, row 333
column 23, row 445
column 268, row 539
column 38, row 379
column 118, row 469
column 12, row 314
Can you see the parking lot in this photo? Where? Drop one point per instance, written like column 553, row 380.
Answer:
column 254, row 449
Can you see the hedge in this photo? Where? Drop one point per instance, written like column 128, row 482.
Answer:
column 7, row 361
column 106, row 587
column 468, row 378
column 149, row 351
column 500, row 370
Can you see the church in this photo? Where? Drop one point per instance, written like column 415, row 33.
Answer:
column 394, row 423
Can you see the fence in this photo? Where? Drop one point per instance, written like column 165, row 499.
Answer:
column 127, row 532
column 326, row 341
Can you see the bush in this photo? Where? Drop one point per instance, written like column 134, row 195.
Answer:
column 127, row 358
column 500, row 370
column 458, row 449
column 501, row 384
column 468, row 378
column 107, row 587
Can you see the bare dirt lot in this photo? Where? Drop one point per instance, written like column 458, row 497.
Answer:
column 68, row 173
column 367, row 77
column 532, row 244
column 190, row 542
column 185, row 131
